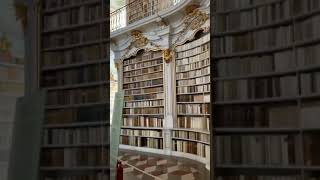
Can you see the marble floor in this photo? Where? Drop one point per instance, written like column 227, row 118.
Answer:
column 145, row 166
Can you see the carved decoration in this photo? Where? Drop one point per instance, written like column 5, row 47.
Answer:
column 167, row 55
column 138, row 39
column 193, row 21
column 139, row 42
column 21, row 11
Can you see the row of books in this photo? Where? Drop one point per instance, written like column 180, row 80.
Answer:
column 236, row 4
column 196, row 148
column 257, row 40
column 193, row 109
column 191, row 135
column 310, row 83
column 143, row 58
column 307, row 29
column 82, row 54
column 144, row 71
column 311, row 146
column 88, row 34
column 75, row 96
column 151, row 133
column 143, row 84
column 263, row 116
column 261, row 15
column 195, row 81
column 143, row 121
column 205, row 88
column 49, row 4
column 143, row 91
column 202, row 98
column 96, row 176
column 72, row 17
column 145, row 64
column 279, row 62
column 97, row 113
column 200, row 123
column 308, row 55
column 200, row 51
column 245, row 89
column 144, row 103
column 156, row 143
column 244, row 177
column 194, row 73
column 144, row 97
column 193, row 59
column 193, row 66
column 198, row 42
column 256, row 150
column 145, row 110
column 75, row 136
column 306, row 6
column 88, row 74
column 74, row 157
column 142, row 77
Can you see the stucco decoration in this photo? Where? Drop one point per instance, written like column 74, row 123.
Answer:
column 139, row 41
column 195, row 21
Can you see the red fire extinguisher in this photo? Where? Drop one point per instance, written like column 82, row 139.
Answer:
column 119, row 171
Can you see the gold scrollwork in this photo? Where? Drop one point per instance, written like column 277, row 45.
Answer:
column 138, row 39
column 167, row 55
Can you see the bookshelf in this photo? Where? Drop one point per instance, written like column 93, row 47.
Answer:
column 143, row 111
column 73, row 69
column 191, row 133
column 266, row 89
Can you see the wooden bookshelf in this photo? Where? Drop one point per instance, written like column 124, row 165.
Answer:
column 191, row 127
column 266, row 88
column 143, row 110
column 73, row 69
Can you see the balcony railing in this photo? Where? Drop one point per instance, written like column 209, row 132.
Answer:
column 138, row 10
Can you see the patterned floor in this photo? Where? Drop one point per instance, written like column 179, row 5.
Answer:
column 161, row 167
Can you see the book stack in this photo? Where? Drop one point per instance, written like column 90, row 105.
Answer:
column 193, row 97
column 146, row 142
column 143, row 121
column 186, row 146
column 148, row 133
column 268, row 13
column 256, row 150
column 143, row 100
column 75, row 136
column 253, row 41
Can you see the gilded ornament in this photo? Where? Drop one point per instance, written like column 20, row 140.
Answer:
column 167, row 55
column 138, row 39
